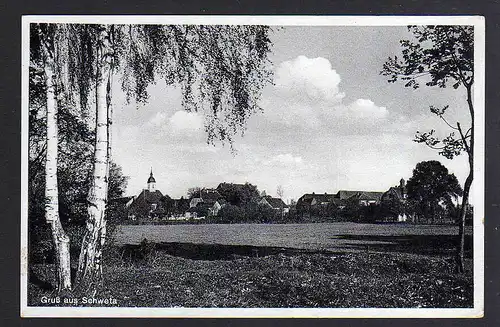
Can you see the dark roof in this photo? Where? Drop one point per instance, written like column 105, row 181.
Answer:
column 142, row 204
column 324, row 197
column 369, row 196
column 148, row 197
column 122, row 200
column 210, row 195
column 394, row 191
column 320, row 197
column 275, row 202
column 361, row 195
column 343, row 195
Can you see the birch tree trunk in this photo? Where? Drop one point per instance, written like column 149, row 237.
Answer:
column 60, row 239
column 89, row 275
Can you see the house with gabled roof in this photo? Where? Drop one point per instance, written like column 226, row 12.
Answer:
column 396, row 196
column 363, row 198
column 207, row 196
column 274, row 203
column 217, row 206
column 310, row 200
column 396, row 192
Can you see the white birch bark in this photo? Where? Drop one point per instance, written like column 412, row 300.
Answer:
column 61, row 240
column 89, row 274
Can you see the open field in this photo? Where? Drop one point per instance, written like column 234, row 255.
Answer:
column 336, row 237
column 337, row 265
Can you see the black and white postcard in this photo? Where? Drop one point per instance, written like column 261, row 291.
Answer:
column 252, row 166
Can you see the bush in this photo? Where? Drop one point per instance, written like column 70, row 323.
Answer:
column 230, row 214
column 258, row 213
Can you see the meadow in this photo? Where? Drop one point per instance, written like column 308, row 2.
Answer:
column 332, row 237
column 328, row 265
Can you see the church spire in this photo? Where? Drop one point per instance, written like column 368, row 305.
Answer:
column 151, row 181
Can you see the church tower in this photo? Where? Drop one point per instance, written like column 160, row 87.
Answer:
column 151, row 182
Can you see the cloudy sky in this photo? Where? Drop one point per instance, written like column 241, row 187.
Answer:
column 330, row 122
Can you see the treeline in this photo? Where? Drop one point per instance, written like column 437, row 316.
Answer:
column 386, row 211
column 249, row 213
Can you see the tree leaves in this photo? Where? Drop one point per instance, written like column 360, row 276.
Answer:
column 441, row 53
column 430, row 185
column 220, row 69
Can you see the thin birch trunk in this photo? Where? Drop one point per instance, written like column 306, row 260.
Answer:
column 89, row 275
column 60, row 239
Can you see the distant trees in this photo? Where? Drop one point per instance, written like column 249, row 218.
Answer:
column 432, row 188
column 250, row 213
column 239, row 194
column 354, row 211
column 231, row 214
column 443, row 56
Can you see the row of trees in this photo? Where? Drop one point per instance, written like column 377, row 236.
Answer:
column 220, row 69
column 250, row 213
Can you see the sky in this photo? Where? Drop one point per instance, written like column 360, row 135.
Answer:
column 330, row 122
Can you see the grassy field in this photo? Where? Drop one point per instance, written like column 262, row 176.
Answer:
column 346, row 265
column 335, row 237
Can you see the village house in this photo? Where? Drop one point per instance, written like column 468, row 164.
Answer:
column 207, row 202
column 366, row 198
column 315, row 203
column 207, row 196
column 397, row 194
column 363, row 198
column 274, row 203
column 218, row 205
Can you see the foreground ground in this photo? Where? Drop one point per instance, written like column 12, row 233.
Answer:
column 149, row 276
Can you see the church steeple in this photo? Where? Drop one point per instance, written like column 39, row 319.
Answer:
column 151, row 182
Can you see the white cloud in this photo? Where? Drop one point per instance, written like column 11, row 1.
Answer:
column 307, row 96
column 186, row 121
column 181, row 121
column 286, row 159
column 313, row 78
column 364, row 108
column 159, row 119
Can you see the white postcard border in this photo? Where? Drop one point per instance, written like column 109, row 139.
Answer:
column 477, row 189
